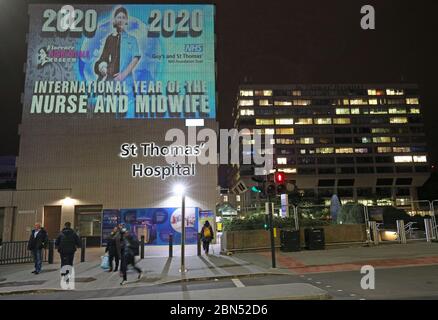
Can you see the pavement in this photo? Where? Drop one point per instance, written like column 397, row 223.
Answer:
column 223, row 277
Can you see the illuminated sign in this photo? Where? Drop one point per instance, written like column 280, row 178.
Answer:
column 128, row 61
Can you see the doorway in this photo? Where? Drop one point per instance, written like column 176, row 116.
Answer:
column 88, row 224
column 52, row 221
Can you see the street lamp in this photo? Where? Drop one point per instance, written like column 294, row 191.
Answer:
column 179, row 190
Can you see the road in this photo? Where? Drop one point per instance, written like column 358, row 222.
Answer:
column 419, row 282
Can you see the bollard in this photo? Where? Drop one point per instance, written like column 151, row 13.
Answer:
column 83, row 247
column 375, row 233
column 51, row 249
column 199, row 244
column 170, row 245
column 428, row 228
column 142, row 248
column 401, row 231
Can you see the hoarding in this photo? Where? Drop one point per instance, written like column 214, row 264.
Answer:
column 122, row 61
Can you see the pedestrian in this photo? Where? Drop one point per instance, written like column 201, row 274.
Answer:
column 67, row 242
column 206, row 236
column 129, row 250
column 37, row 242
column 113, row 249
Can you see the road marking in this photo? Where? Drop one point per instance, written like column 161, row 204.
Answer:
column 310, row 279
column 238, row 283
column 340, row 290
column 352, row 295
column 328, row 286
column 318, row 282
column 362, row 299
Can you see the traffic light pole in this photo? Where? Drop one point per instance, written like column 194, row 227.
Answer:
column 270, row 209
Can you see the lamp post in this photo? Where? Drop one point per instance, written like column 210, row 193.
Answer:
column 180, row 191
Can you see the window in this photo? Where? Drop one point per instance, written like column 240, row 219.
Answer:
column 378, row 111
column 372, row 101
column 354, row 111
column 306, row 140
column 296, row 93
column 246, row 102
column 324, row 150
column 384, row 182
column 326, row 183
column 412, row 101
column 264, row 122
column 288, row 170
column 344, row 150
column 358, row 102
column 281, row 160
column 285, row 141
column 397, row 110
column 394, row 92
column 323, row 120
column 246, row 93
column 420, row 159
column 366, row 140
column 304, row 121
column 361, row 150
column 402, row 159
column 265, row 93
column 346, row 102
column 398, row 120
column 414, row 110
column 269, row 131
column 284, row 121
column 402, row 149
column 282, row 103
column 285, row 131
column 246, row 112
column 384, row 149
column 380, row 130
column 382, row 139
column 342, row 111
column 341, row 121
column 265, row 103
column 302, row 102
column 364, row 160
column 375, row 92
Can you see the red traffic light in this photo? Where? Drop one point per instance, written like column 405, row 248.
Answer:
column 279, row 177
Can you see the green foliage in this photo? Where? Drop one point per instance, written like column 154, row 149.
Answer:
column 351, row 213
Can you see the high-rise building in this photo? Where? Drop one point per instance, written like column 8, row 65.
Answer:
column 364, row 142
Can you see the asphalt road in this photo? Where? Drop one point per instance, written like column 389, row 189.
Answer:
column 394, row 283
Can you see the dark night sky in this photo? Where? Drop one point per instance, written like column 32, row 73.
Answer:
column 277, row 42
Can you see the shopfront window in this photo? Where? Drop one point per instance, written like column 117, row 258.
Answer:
column 89, row 223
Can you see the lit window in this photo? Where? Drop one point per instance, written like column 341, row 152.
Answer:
column 281, row 160
column 282, row 103
column 346, row 102
column 288, row 170
column 398, row 120
column 225, row 198
column 284, row 121
column 420, row 159
column 267, row 93
column 341, row 121
column 412, row 101
column 305, row 121
column 246, row 112
column 285, row 131
column 324, row 150
column 342, row 111
column 355, row 111
column 358, row 101
column 272, row 142
column 382, row 139
column 246, row 93
column 384, row 149
column 372, row 101
column 269, row 131
column 246, row 102
column 361, row 150
column 285, row 141
column 323, row 121
column 344, row 150
column 302, row 102
column 366, row 140
column 402, row 150
column 365, row 202
column 264, row 103
column 296, row 93
column 397, row 110
column 306, row 140
column 248, row 141
column 238, row 198
column 372, row 92
column 394, row 92
column 303, row 151
column 402, row 159
column 264, row 122
column 378, row 111
column 415, row 110
column 380, row 130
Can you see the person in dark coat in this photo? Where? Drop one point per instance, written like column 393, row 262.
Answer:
column 37, row 242
column 129, row 249
column 67, row 242
column 206, row 236
column 113, row 249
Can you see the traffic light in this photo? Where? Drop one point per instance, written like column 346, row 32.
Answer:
column 279, row 178
column 256, row 189
column 266, row 222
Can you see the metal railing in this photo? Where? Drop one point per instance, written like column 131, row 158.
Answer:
column 16, row 252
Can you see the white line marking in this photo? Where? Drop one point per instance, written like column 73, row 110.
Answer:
column 309, row 279
column 328, row 286
column 352, row 295
column 238, row 283
column 340, row 290
column 318, row 282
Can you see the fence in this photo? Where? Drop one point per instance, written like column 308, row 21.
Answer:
column 16, row 252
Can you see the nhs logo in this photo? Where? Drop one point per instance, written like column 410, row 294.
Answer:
column 193, row 48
